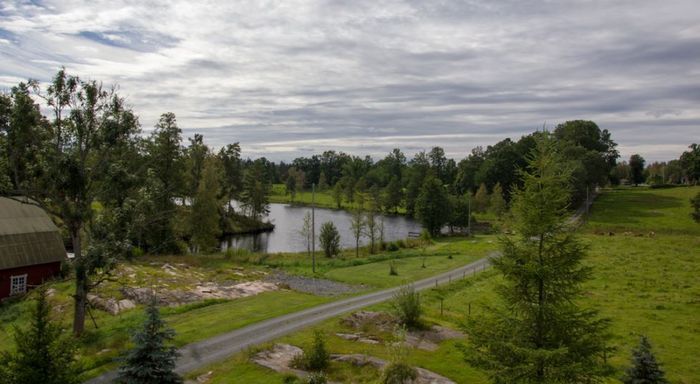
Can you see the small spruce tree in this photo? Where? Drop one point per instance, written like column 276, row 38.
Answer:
column 330, row 239
column 43, row 355
column 645, row 369
column 151, row 360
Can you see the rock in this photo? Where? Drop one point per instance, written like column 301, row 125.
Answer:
column 125, row 304
column 357, row 337
column 50, row 292
column 429, row 339
column 360, row 360
column 358, row 320
column 205, row 377
column 279, row 358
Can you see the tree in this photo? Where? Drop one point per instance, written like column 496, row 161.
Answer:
column 197, row 154
column 71, row 167
column 206, row 208
column 291, row 187
column 338, row 194
column 460, row 211
column 371, row 220
column 690, row 162
column 230, row 158
column 392, row 195
column 166, row 162
column 330, row 239
column 407, row 307
column 645, row 369
column 433, row 205
column 497, row 202
column 42, row 354
column 256, row 190
column 695, row 203
column 481, row 199
column 152, row 359
column 306, row 232
column 357, row 224
column 539, row 334
column 636, row 164
column 322, row 182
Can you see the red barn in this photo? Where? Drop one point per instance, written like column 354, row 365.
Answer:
column 31, row 248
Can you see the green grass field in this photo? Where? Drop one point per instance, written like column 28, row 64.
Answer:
column 646, row 280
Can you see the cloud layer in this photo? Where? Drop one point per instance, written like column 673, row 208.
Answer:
column 289, row 78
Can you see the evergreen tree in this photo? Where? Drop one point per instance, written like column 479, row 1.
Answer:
column 151, row 360
column 338, row 194
column 637, row 169
column 330, row 239
column 290, row 186
column 540, row 335
column 433, row 205
column 481, row 199
column 42, row 355
column 497, row 202
column 206, row 208
column 256, row 190
column 230, row 157
column 645, row 369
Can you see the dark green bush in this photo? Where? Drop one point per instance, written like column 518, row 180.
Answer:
column 399, row 373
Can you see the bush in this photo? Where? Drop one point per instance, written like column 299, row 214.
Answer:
column 392, row 247
column 316, row 358
column 392, row 270
column 290, row 379
column 330, row 239
column 401, row 243
column 399, row 373
column 317, row 378
column 407, row 306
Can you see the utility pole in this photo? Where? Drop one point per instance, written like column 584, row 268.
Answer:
column 313, row 228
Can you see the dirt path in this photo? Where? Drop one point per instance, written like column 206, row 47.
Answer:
column 215, row 349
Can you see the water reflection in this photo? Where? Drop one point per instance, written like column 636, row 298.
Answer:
column 288, row 221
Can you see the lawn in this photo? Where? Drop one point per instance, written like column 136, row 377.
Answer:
column 646, row 280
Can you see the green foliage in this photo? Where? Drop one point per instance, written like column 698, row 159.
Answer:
column 230, row 158
column 636, row 164
column 393, row 194
column 695, row 204
column 481, row 199
column 358, row 224
column 316, row 358
column 317, row 378
column 42, row 354
column 255, row 198
column 407, row 306
column 497, row 202
column 152, row 359
column 206, row 209
column 399, row 373
column 392, row 270
column 433, row 205
column 540, row 334
column 291, row 187
column 690, row 163
column 645, row 369
column 330, row 239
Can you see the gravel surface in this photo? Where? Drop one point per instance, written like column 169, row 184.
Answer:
column 319, row 287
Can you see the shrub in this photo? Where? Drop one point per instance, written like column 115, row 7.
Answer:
column 401, row 243
column 317, row 378
column 392, row 269
column 316, row 358
column 407, row 306
column 290, row 379
column 392, row 247
column 399, row 373
column 330, row 239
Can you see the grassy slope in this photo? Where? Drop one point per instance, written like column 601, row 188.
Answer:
column 646, row 283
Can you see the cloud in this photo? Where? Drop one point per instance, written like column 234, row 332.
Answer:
column 288, row 78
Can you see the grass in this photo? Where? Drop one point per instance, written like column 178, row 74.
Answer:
column 646, row 280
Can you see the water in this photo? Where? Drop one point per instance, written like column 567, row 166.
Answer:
column 288, row 221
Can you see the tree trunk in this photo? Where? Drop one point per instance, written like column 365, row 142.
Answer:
column 81, row 288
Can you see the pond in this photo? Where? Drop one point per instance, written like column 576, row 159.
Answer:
column 289, row 220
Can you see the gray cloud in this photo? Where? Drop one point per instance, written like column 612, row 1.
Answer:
column 296, row 77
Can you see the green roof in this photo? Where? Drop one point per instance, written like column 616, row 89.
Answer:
column 27, row 236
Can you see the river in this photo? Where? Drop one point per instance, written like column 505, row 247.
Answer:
column 288, row 222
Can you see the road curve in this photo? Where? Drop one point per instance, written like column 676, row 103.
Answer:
column 215, row 349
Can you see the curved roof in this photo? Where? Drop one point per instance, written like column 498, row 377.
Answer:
column 27, row 236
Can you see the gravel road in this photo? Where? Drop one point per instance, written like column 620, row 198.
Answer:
column 215, row 349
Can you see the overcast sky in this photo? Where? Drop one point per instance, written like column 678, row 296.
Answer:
column 290, row 78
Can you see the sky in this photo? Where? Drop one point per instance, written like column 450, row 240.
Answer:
column 294, row 78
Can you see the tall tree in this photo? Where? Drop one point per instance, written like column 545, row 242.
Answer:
column 152, row 359
column 637, row 169
column 69, row 179
column 232, row 185
column 166, row 162
column 256, row 190
column 540, row 334
column 433, row 205
column 481, row 199
column 206, row 208
column 291, row 187
column 393, row 195
column 645, row 369
column 42, row 354
column 690, row 162
column 372, row 218
column 497, row 203
column 357, row 224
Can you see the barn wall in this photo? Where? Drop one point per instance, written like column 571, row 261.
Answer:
column 36, row 274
